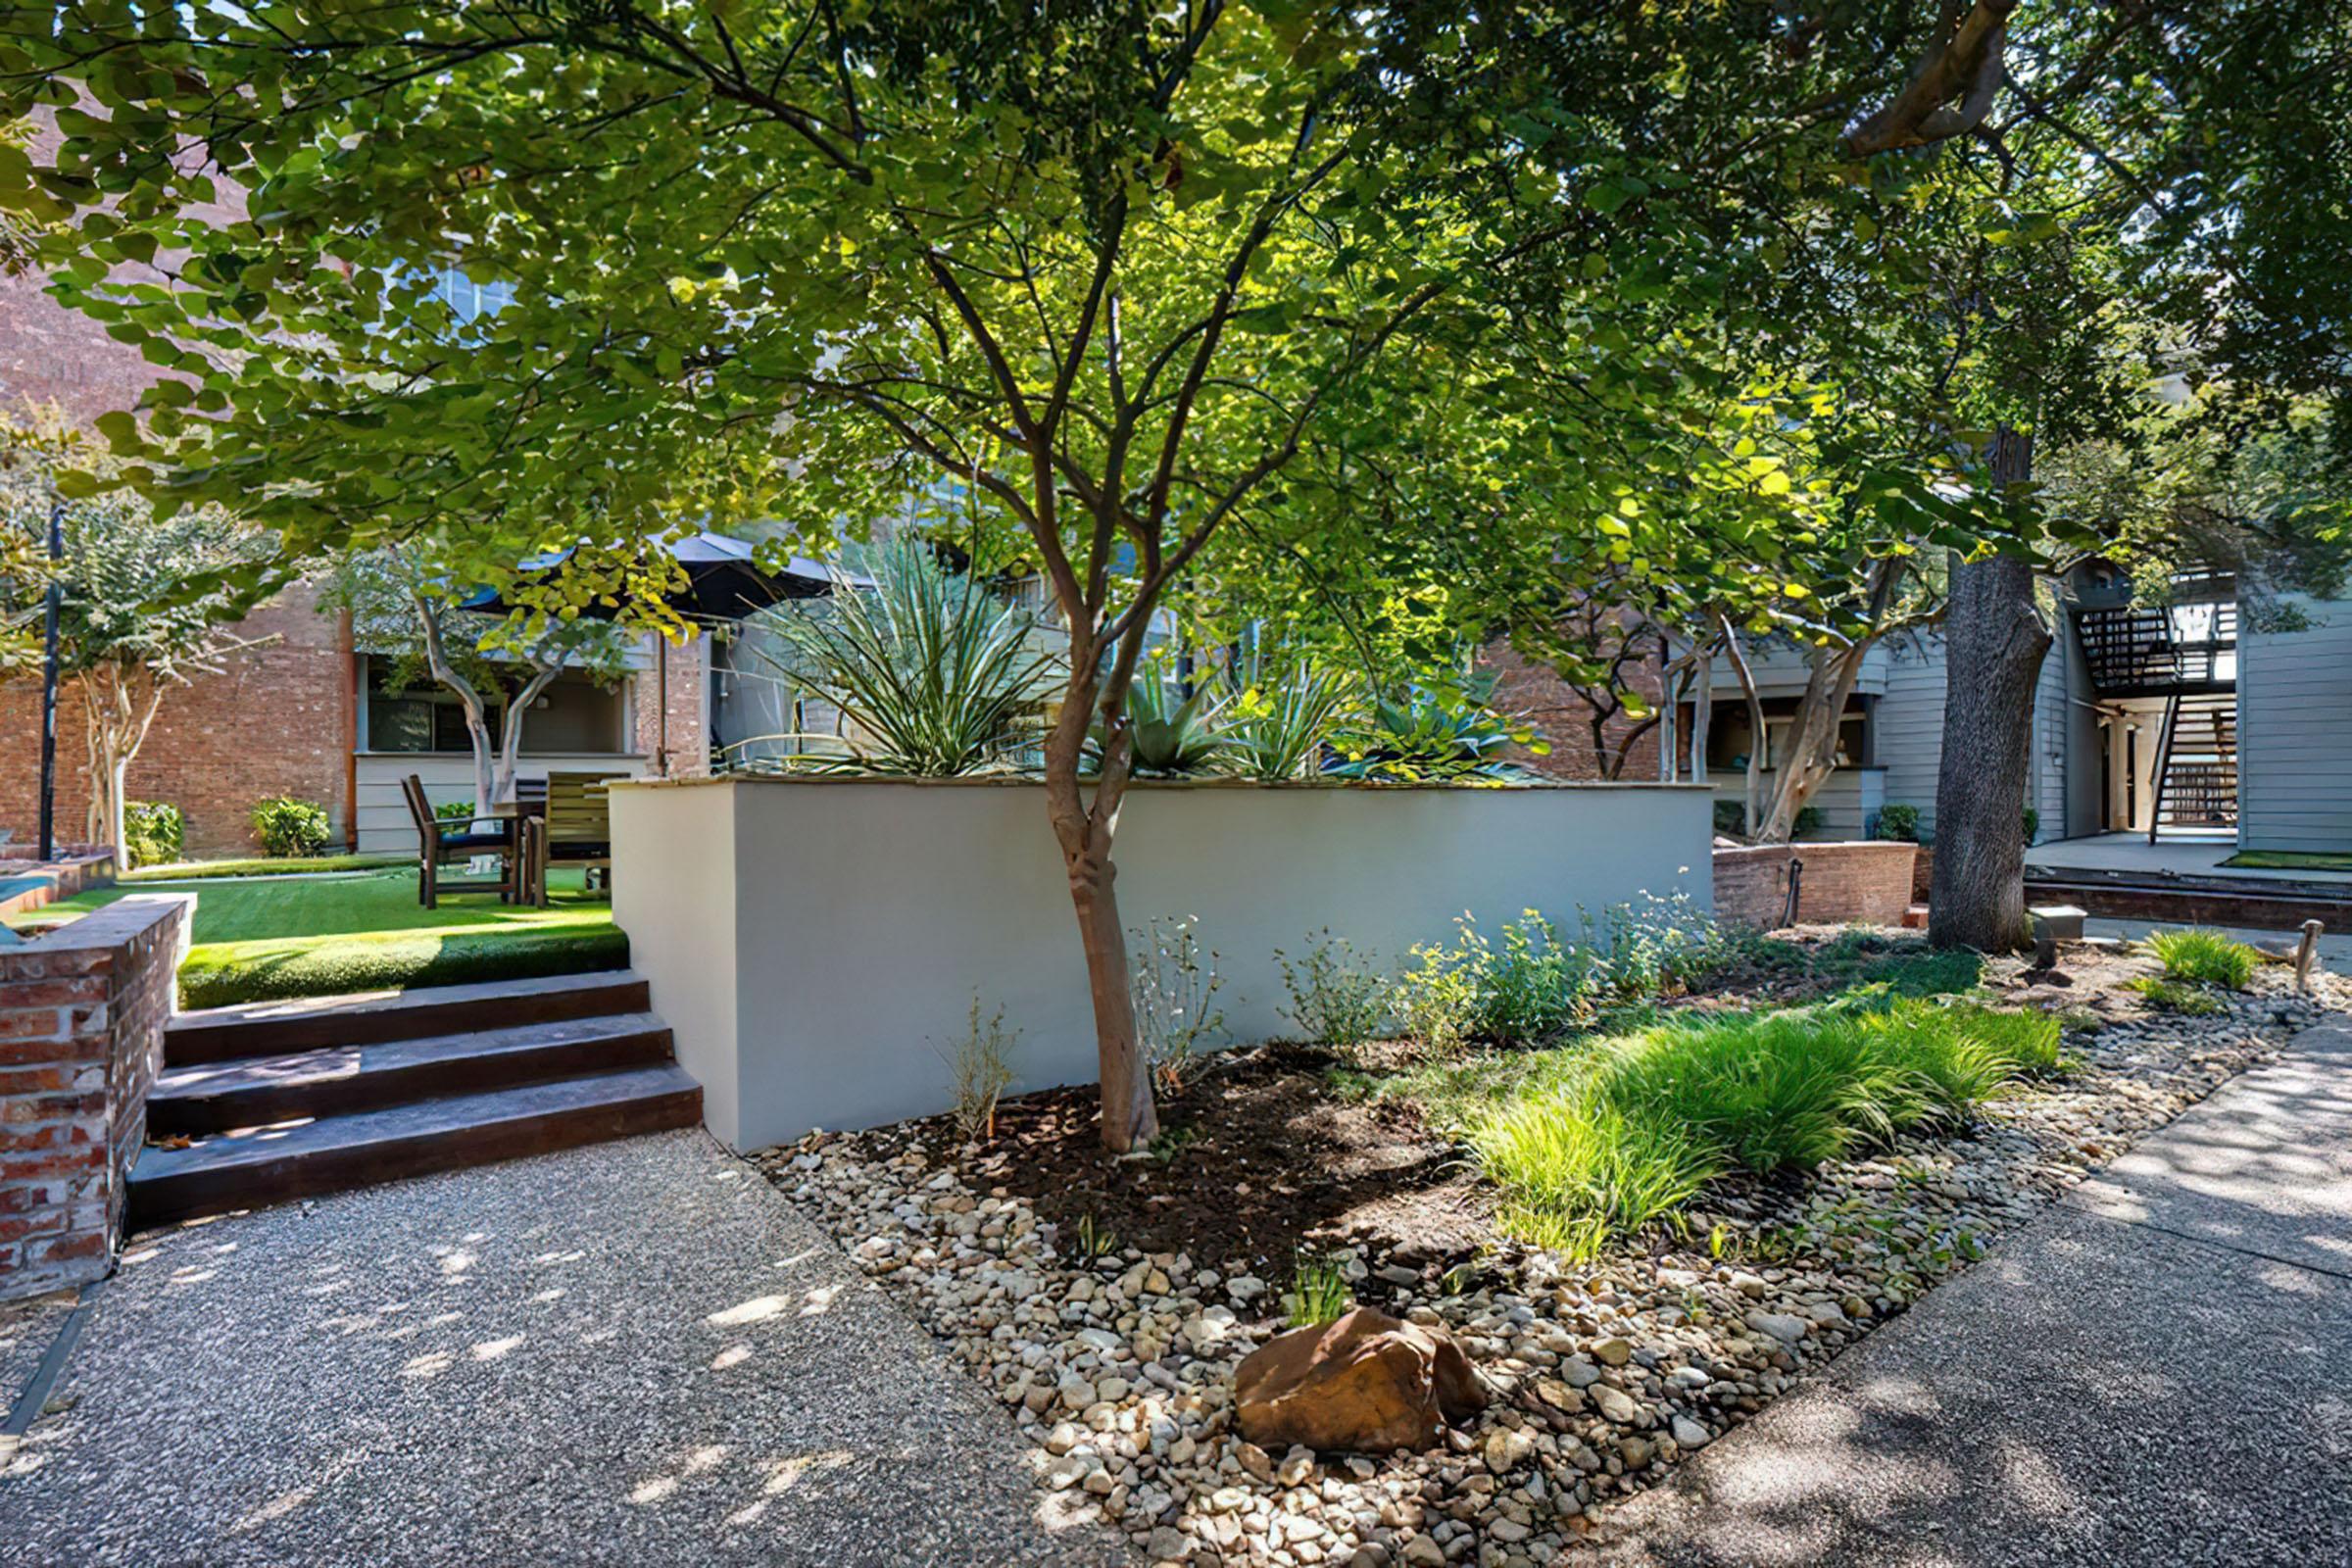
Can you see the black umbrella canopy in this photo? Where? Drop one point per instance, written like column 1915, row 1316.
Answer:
column 724, row 580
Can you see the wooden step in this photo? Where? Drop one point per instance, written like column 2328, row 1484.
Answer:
column 312, row 1023
column 274, row 1164
column 339, row 1080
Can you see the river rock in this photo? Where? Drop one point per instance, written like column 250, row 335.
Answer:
column 1366, row 1381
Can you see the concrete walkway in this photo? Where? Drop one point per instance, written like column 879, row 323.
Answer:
column 2159, row 1371
column 2174, row 856
column 631, row 1353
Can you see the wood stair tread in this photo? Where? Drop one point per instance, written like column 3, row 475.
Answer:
column 271, row 1164
column 288, row 1027
column 342, row 1079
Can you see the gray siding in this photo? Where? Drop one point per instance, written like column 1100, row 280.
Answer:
column 2046, row 785
column 1910, row 729
column 2085, row 780
column 2295, row 734
column 1910, row 734
column 1849, row 799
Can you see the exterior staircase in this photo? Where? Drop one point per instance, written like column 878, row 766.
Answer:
column 2196, row 768
column 275, row 1100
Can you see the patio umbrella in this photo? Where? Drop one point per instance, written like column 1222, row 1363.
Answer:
column 723, row 582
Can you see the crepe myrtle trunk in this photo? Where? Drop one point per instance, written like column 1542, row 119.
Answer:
column 1994, row 643
column 1084, row 828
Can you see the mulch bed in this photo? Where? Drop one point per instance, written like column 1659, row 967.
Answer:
column 1259, row 1160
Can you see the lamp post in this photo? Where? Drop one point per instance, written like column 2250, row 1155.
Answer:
column 55, row 603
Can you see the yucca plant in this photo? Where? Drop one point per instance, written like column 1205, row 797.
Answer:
column 1279, row 725
column 936, row 676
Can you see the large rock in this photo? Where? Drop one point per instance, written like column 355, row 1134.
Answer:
column 1367, row 1382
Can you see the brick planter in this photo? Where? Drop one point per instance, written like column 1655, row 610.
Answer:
column 1868, row 882
column 81, row 1037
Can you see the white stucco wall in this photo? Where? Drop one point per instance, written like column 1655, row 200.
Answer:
column 815, row 945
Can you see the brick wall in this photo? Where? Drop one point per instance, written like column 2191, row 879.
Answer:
column 275, row 719
column 689, row 746
column 82, row 1020
column 1535, row 694
column 1869, row 883
column 50, row 354
column 272, row 722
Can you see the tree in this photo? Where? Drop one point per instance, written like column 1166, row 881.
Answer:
column 402, row 607
column 1109, row 273
column 147, row 600
column 1461, row 304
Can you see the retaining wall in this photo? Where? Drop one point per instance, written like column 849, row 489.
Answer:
column 1866, row 882
column 817, row 945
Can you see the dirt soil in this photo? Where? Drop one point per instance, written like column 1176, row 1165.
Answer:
column 1257, row 1160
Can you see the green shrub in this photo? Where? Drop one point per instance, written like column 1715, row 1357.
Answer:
column 1437, row 1002
column 1808, row 820
column 1900, row 823
column 1653, row 945
column 1635, row 1131
column 1335, row 999
column 290, row 827
column 2175, row 995
column 453, row 811
column 1730, row 820
column 153, row 832
column 1318, row 1293
column 2033, row 823
column 2204, row 956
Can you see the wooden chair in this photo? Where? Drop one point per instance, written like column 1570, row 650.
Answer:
column 577, row 830
column 437, row 847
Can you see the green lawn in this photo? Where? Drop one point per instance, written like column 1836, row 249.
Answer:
column 278, row 937
column 2289, row 860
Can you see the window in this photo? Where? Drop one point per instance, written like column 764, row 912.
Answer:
column 573, row 714
column 1728, row 737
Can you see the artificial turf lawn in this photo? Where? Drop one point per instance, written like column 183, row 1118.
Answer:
column 2289, row 860
column 278, row 937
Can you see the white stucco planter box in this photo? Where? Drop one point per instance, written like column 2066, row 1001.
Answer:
column 817, row 943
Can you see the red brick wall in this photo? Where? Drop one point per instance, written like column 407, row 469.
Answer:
column 689, row 748
column 81, row 1037
column 1869, row 883
column 273, row 723
column 275, row 720
column 49, row 354
column 1536, row 694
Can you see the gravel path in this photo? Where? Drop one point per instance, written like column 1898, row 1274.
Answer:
column 2159, row 1371
column 630, row 1353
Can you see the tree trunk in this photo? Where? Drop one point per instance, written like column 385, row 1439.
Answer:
column 510, row 743
column 1702, row 715
column 1085, row 830
column 1754, row 781
column 1994, row 642
column 477, row 726
column 1829, row 686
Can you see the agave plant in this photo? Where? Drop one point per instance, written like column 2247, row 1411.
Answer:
column 1279, row 726
column 934, row 675
column 1427, row 734
column 1174, row 735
